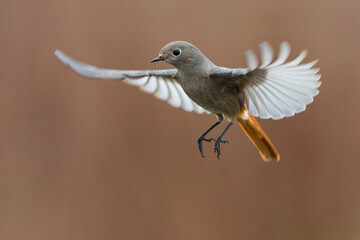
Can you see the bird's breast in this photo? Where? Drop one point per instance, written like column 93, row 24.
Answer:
column 210, row 95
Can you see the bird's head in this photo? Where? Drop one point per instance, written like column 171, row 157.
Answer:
column 182, row 54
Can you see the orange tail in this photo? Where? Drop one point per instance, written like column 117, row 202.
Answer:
column 257, row 136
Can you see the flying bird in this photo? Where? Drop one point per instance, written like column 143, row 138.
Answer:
column 271, row 89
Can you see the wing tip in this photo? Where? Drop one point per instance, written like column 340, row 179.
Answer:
column 251, row 59
column 285, row 44
column 61, row 56
column 265, row 44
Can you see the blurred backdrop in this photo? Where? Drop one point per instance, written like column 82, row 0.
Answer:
column 84, row 159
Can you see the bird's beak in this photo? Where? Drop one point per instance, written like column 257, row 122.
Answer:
column 159, row 58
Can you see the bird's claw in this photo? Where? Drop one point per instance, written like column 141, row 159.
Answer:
column 200, row 145
column 217, row 146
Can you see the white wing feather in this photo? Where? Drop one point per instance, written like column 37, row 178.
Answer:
column 285, row 89
column 161, row 83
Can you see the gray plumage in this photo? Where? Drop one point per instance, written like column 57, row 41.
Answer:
column 272, row 90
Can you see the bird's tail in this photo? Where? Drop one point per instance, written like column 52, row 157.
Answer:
column 257, row 136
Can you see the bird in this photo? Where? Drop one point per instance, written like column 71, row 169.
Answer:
column 268, row 89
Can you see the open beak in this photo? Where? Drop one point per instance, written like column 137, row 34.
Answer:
column 159, row 58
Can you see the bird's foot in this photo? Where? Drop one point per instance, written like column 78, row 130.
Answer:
column 200, row 145
column 217, row 146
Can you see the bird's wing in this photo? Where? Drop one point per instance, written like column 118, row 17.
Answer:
column 275, row 89
column 161, row 83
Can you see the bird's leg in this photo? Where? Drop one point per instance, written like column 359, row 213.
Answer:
column 219, row 140
column 202, row 138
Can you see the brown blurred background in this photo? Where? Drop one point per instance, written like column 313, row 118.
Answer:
column 83, row 159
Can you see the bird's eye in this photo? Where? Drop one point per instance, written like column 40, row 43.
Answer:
column 176, row 52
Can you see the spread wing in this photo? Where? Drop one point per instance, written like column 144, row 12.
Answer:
column 161, row 83
column 275, row 89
